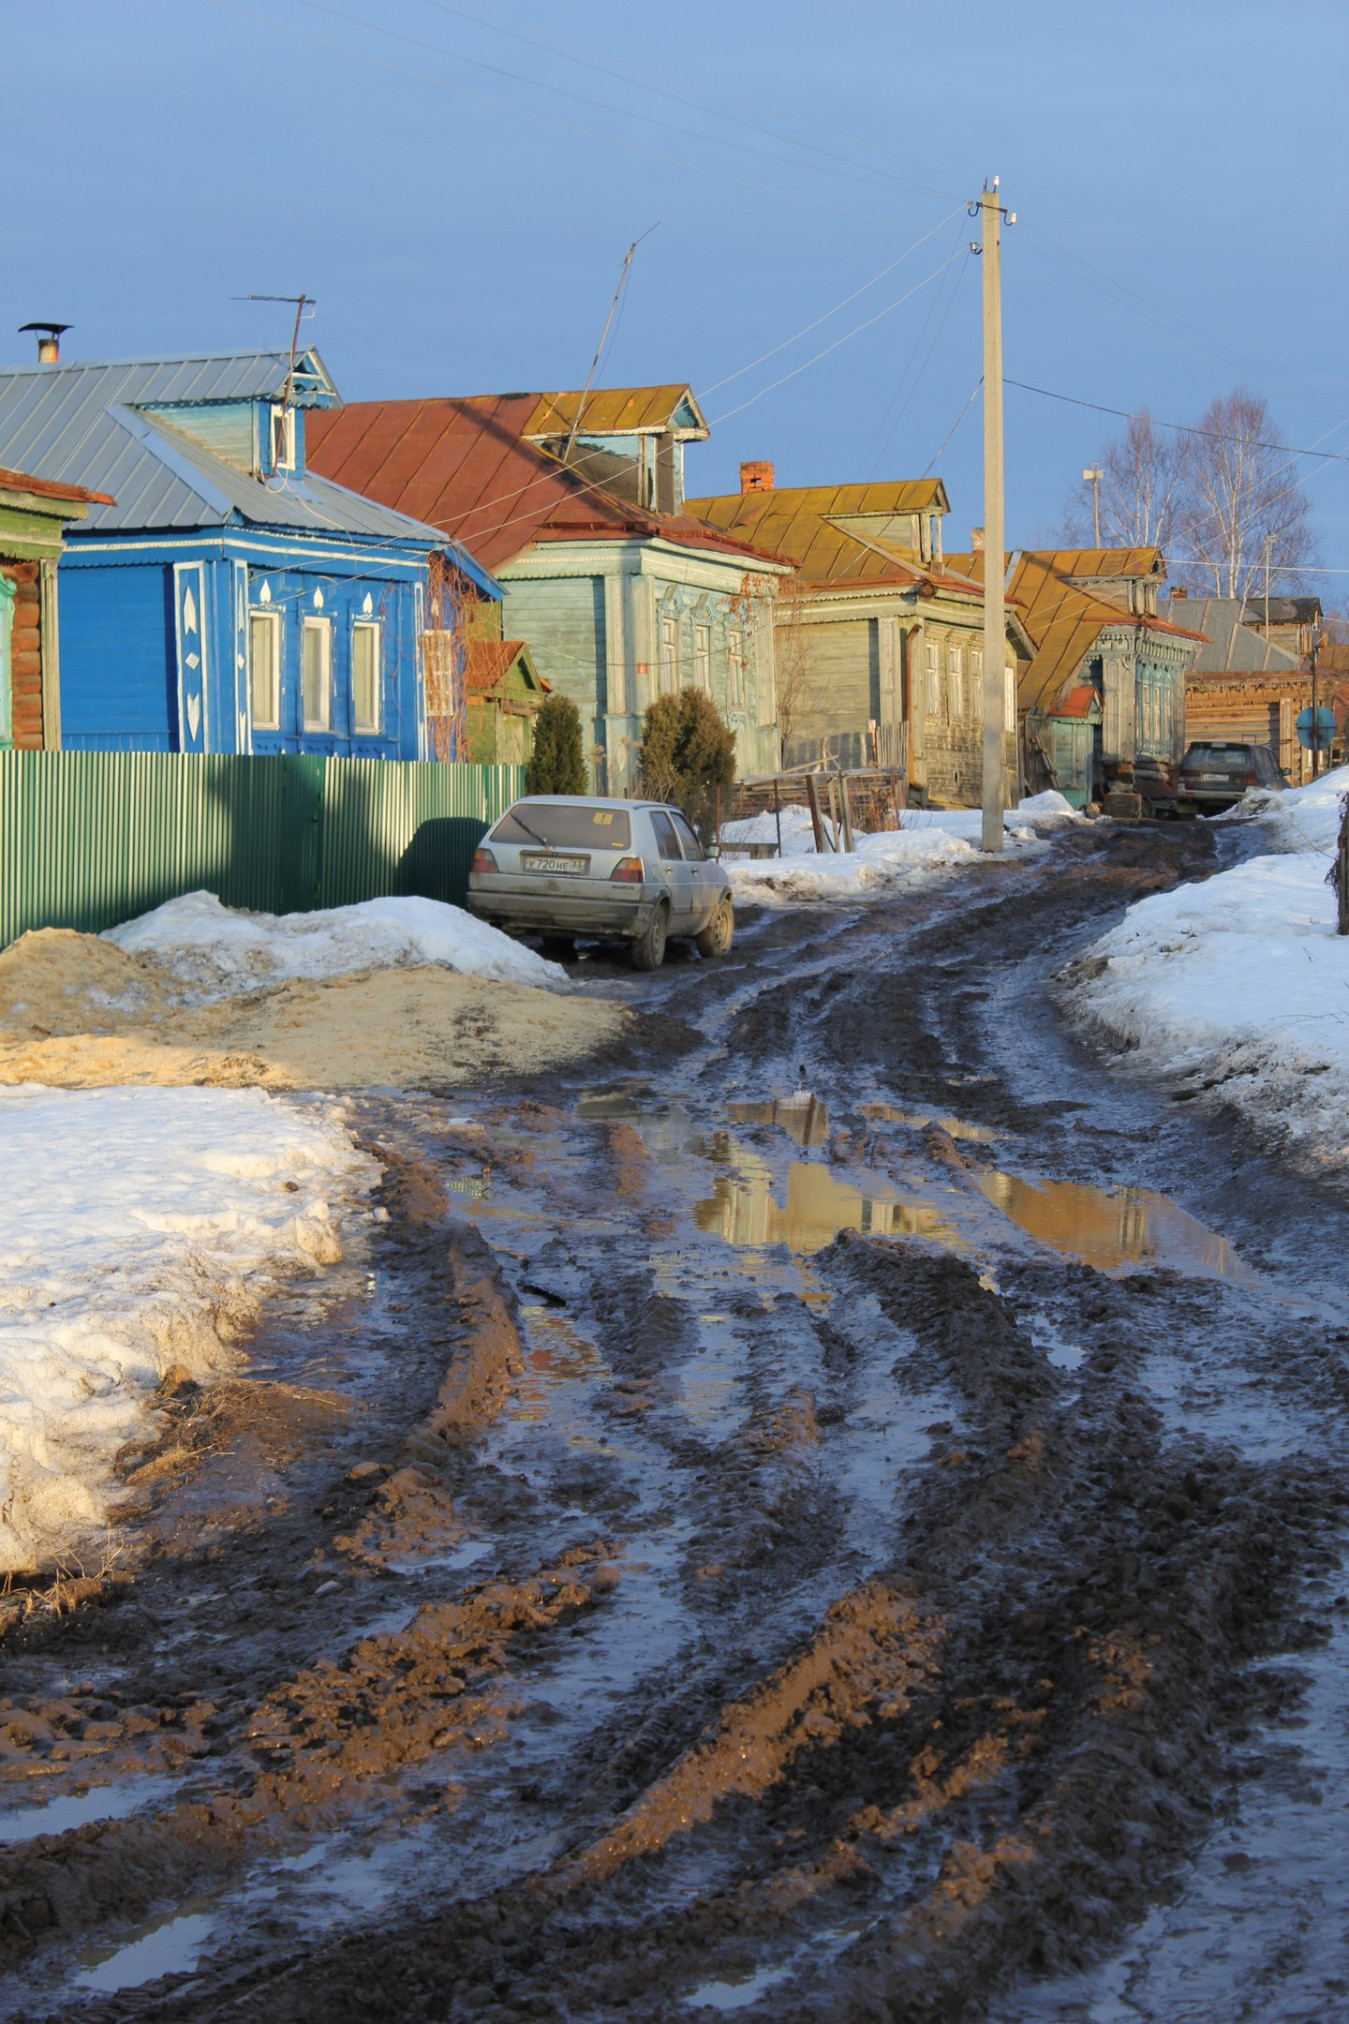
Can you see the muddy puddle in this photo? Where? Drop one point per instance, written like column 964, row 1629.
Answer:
column 917, row 1120
column 1114, row 1227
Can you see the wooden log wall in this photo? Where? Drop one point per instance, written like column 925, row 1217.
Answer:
column 26, row 655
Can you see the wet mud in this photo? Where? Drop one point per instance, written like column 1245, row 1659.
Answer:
column 800, row 1525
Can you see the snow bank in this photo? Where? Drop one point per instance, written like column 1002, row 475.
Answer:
column 1241, row 982
column 222, row 952
column 931, row 841
column 141, row 1226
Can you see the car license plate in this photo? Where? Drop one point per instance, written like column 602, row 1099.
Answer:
column 1216, row 779
column 536, row 860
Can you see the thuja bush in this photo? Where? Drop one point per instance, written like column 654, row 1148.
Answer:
column 687, row 752
column 557, row 764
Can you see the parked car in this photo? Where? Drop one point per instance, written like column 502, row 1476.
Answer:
column 1215, row 775
column 569, row 865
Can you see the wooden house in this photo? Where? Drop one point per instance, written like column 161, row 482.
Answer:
column 577, row 508
column 230, row 600
column 504, row 692
column 34, row 514
column 1242, row 684
column 1101, row 696
column 879, row 642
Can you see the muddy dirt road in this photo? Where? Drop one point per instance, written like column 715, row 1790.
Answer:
column 839, row 1518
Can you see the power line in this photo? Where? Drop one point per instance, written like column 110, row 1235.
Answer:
column 1182, row 428
column 974, row 393
column 807, row 328
column 543, row 118
column 675, row 97
column 881, row 446
column 847, row 335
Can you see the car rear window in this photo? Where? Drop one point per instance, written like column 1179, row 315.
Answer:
column 1218, row 755
column 568, row 825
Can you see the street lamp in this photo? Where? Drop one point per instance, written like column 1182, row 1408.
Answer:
column 1092, row 476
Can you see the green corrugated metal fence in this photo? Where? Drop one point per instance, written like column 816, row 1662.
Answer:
column 88, row 839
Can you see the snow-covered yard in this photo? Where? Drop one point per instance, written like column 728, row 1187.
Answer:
column 221, row 951
column 141, row 1228
column 931, row 842
column 1241, row 982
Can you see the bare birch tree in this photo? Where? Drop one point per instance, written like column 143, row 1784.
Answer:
column 1142, row 487
column 1243, row 498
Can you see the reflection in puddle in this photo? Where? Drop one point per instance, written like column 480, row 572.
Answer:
column 556, row 1354
column 1114, row 1226
column 77, row 1809
column 170, row 1946
column 742, row 1210
column 802, row 1115
column 954, row 1127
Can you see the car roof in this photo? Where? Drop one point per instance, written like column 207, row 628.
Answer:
column 585, row 801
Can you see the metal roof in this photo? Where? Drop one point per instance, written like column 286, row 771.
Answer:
column 808, row 524
column 1231, row 648
column 465, row 466
column 1142, row 562
column 86, row 424
column 619, row 411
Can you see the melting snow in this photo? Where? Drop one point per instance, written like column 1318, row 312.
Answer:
column 140, row 1228
column 221, row 951
column 1242, row 981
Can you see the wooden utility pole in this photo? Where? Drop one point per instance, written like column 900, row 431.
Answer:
column 995, row 552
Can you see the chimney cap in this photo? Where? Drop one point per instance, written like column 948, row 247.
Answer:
column 49, row 337
column 756, row 477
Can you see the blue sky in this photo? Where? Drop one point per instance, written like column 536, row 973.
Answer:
column 1181, row 226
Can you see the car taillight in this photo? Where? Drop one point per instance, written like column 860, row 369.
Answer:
column 1250, row 779
column 628, row 871
column 483, row 860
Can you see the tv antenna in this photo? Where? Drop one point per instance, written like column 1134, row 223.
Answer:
column 300, row 303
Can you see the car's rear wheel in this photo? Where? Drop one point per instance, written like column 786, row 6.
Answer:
column 648, row 950
column 716, row 938
column 558, row 948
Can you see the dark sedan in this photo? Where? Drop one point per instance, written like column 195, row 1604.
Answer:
column 1215, row 776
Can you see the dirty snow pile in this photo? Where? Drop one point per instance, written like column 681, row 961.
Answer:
column 141, row 1227
column 222, row 952
column 930, row 841
column 1241, row 982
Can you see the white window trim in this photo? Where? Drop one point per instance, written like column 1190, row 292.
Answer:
column 271, row 621
column 325, row 628
column 702, row 658
column 283, row 437
column 368, row 625
column 735, row 669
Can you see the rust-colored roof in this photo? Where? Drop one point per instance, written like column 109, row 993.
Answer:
column 1065, row 622
column 801, row 522
column 1105, row 561
column 488, row 662
column 615, row 411
column 47, row 488
column 463, row 466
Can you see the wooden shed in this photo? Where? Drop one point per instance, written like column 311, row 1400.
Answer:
column 503, row 691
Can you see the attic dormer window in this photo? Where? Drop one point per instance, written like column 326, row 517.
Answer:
column 283, row 438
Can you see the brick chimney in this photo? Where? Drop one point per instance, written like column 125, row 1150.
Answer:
column 976, row 540
column 756, row 477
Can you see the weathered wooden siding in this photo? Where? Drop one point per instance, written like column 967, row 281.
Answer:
column 563, row 620
column 841, row 690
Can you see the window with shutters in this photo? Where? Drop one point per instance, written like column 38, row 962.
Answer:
column 264, row 670
column 365, row 673
column 955, row 670
column 669, row 653
column 932, row 665
column 735, row 669
column 316, row 669
column 702, row 657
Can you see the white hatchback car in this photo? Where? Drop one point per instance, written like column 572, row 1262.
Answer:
column 568, row 865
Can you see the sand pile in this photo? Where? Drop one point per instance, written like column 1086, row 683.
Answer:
column 78, row 1012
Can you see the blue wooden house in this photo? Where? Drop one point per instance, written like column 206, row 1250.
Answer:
column 230, row 600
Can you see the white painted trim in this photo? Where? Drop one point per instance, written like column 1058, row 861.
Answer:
column 182, row 590
column 286, row 547
column 243, row 695
column 375, row 626
column 271, row 618
column 311, row 623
